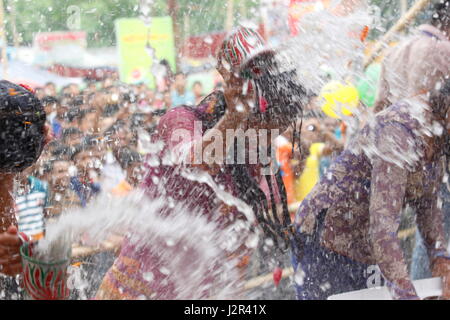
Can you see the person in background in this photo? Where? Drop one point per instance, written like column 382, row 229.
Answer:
column 65, row 91
column 312, row 146
column 117, row 137
column 197, row 90
column 31, row 203
column 180, row 95
column 415, row 66
column 107, row 82
column 350, row 220
column 86, row 183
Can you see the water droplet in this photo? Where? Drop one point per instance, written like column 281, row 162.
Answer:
column 148, row 276
column 326, row 286
column 252, row 241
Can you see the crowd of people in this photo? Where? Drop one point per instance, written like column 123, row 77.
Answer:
column 97, row 144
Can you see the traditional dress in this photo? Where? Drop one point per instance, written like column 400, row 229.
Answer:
column 139, row 272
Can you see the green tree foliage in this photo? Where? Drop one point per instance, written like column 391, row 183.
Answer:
column 194, row 16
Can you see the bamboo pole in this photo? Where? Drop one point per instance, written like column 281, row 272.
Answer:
column 404, row 21
column 403, row 6
column 13, row 15
column 173, row 13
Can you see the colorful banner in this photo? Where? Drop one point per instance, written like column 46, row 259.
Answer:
column 299, row 8
column 132, row 37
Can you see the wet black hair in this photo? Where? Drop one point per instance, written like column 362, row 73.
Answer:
column 286, row 99
column 22, row 121
column 91, row 140
column 83, row 113
column 73, row 114
column 159, row 113
column 77, row 101
column 63, row 152
column 76, row 150
column 115, row 127
column 53, row 144
column 442, row 110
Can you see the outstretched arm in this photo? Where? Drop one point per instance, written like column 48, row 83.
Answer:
column 7, row 217
column 430, row 221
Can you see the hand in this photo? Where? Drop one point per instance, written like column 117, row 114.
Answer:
column 441, row 268
column 10, row 260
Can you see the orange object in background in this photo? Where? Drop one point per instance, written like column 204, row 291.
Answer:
column 364, row 33
column 122, row 189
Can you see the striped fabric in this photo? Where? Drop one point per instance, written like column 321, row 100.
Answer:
column 30, row 209
column 240, row 45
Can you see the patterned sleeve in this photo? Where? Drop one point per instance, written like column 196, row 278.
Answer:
column 388, row 188
column 178, row 128
column 430, row 217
